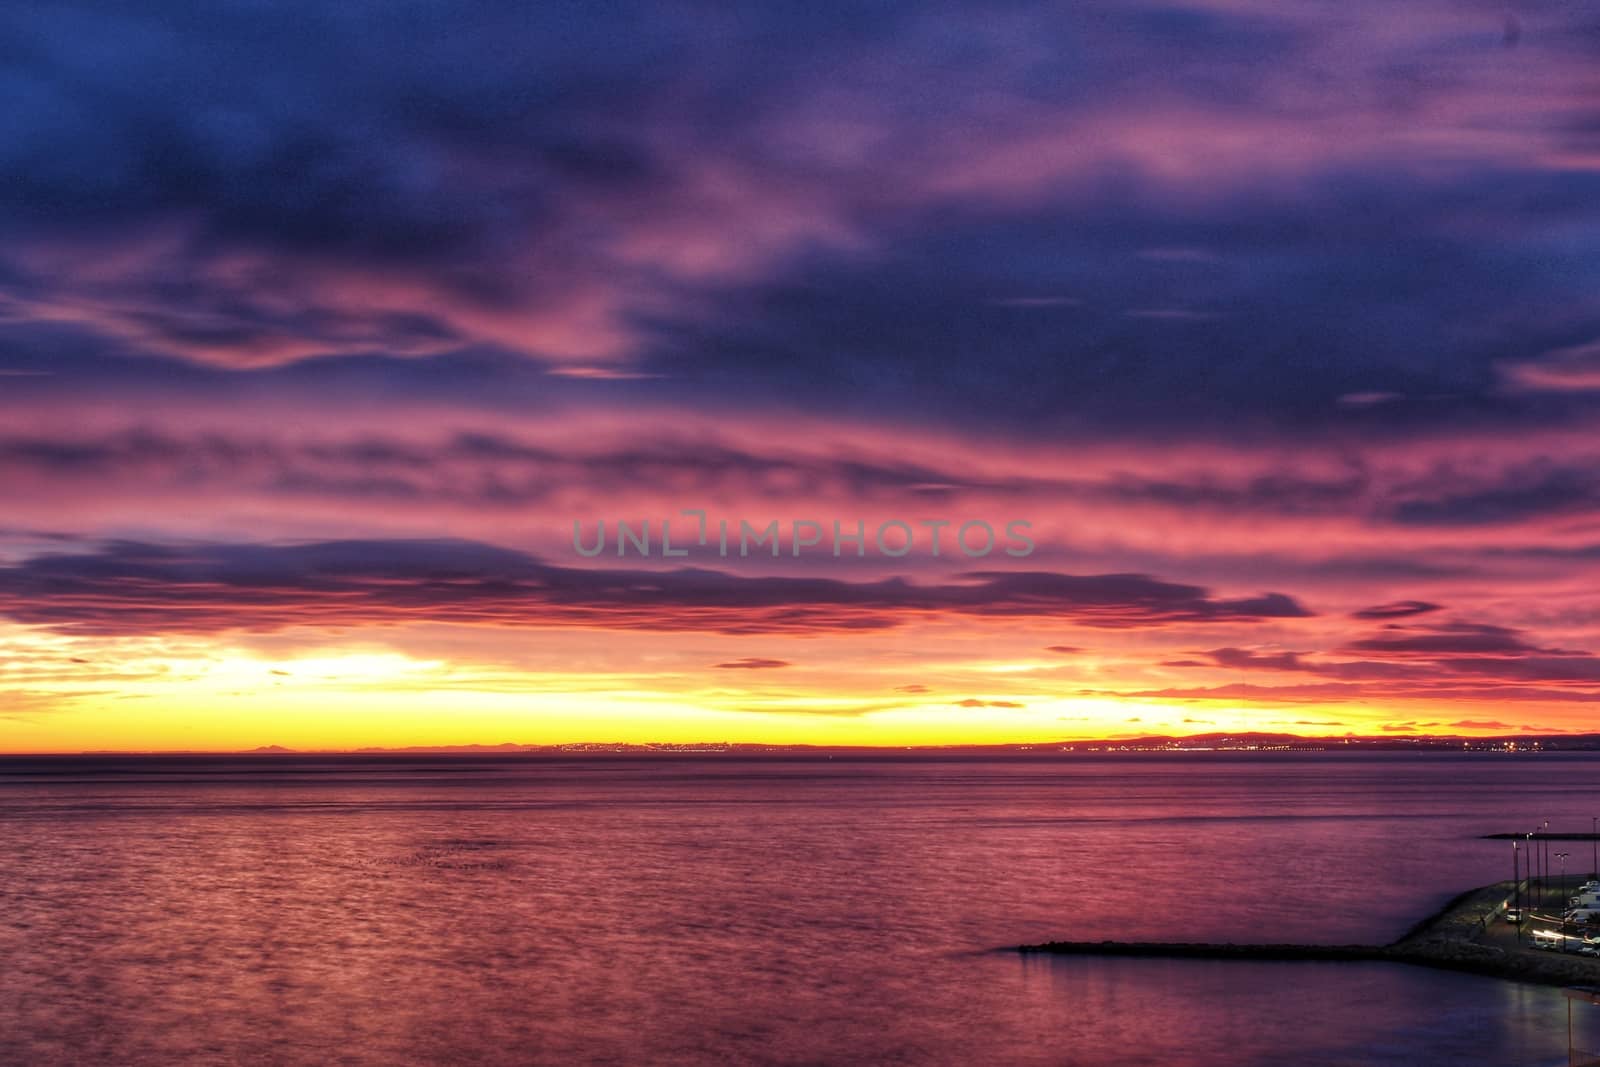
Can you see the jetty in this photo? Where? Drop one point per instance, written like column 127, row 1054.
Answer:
column 1542, row 835
column 1468, row 934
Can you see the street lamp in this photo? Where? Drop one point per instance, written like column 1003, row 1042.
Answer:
column 1562, row 856
column 1516, row 886
column 1544, row 859
column 1536, row 886
column 1533, row 868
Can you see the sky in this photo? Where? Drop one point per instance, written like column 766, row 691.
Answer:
column 321, row 325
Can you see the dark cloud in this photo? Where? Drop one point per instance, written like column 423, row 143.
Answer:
column 129, row 587
column 1414, row 662
column 499, row 467
column 878, row 325
column 1570, row 667
column 753, row 663
column 1447, row 639
column 1517, row 494
column 1276, row 493
column 1398, row 609
column 1391, row 567
column 462, row 466
column 1344, row 670
column 669, row 186
column 1244, row 659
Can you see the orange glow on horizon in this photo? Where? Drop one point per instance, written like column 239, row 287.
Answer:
column 86, row 694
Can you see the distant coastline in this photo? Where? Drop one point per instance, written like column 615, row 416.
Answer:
column 1147, row 744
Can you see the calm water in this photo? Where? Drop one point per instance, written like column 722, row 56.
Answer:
column 631, row 911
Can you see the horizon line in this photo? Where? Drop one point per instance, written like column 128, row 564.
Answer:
column 1233, row 741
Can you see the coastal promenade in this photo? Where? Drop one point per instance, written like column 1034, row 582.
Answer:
column 1468, row 934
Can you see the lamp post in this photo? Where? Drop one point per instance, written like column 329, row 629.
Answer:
column 1594, row 844
column 1544, row 858
column 1562, row 857
column 1533, row 901
column 1538, row 867
column 1516, row 886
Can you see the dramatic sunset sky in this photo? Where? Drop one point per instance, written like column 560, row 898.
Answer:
column 320, row 324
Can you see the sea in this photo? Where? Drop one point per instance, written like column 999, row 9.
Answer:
column 691, row 909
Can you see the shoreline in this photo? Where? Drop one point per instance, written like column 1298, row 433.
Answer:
column 1461, row 936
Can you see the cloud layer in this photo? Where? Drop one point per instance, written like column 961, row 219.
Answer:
column 1277, row 322
column 134, row 588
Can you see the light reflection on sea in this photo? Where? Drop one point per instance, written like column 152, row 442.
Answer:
column 669, row 910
